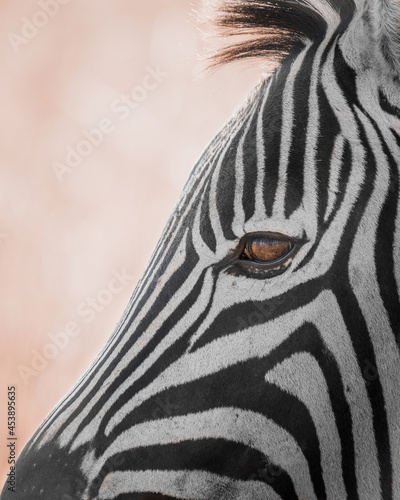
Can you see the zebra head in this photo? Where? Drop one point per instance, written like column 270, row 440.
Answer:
column 259, row 355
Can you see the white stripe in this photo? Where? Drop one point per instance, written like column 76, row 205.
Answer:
column 301, row 376
column 334, row 175
column 230, row 424
column 184, row 484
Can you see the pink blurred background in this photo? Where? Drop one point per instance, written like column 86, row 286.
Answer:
column 64, row 234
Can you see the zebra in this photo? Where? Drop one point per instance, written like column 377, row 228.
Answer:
column 258, row 358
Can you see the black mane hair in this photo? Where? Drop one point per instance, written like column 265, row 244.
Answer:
column 274, row 29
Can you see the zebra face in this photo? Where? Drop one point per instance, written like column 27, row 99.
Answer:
column 258, row 357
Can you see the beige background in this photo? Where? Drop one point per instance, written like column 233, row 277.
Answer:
column 61, row 241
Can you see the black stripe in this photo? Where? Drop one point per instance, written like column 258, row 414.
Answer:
column 385, row 245
column 206, row 230
column 250, row 159
column 296, row 166
column 226, row 188
column 329, row 129
column 271, row 126
column 216, row 456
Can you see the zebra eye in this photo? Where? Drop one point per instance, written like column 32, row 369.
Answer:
column 266, row 248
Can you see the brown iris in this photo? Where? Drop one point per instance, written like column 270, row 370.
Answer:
column 264, row 249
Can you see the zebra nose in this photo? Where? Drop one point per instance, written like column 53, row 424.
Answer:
column 46, row 474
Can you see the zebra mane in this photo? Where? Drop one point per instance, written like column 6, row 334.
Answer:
column 274, row 29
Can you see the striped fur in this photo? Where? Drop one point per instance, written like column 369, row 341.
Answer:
column 226, row 381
